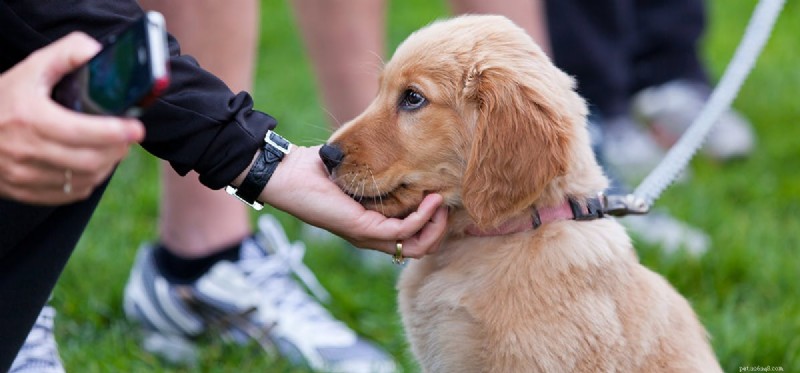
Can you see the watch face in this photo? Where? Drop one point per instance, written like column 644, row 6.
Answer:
column 278, row 142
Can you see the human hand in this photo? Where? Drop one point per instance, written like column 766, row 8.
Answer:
column 50, row 155
column 301, row 187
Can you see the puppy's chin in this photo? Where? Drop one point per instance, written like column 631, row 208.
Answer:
column 398, row 204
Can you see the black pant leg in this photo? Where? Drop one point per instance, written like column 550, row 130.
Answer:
column 35, row 244
column 666, row 42
column 591, row 41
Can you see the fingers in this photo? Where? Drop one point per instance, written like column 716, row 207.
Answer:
column 63, row 56
column 43, row 184
column 301, row 187
column 421, row 232
column 49, row 65
column 31, row 150
column 82, row 130
column 59, row 188
column 86, row 158
column 43, row 141
column 33, row 170
column 427, row 239
column 418, row 219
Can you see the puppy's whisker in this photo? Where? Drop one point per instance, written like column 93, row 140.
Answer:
column 380, row 197
column 315, row 140
column 363, row 189
column 351, row 185
column 321, row 127
column 336, row 121
column 354, row 187
column 380, row 61
column 345, row 185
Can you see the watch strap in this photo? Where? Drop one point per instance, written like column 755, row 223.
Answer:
column 274, row 149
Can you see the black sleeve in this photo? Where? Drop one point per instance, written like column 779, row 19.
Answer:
column 199, row 124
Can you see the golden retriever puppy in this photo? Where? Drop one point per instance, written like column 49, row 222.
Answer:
column 530, row 278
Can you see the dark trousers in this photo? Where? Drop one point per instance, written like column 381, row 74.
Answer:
column 35, row 244
column 615, row 48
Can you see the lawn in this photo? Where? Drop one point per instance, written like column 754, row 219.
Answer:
column 745, row 289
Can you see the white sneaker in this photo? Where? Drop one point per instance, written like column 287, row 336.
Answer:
column 255, row 298
column 371, row 260
column 39, row 354
column 630, row 150
column 669, row 109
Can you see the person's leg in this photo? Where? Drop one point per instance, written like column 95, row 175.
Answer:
column 35, row 244
column 661, row 51
column 528, row 14
column 195, row 221
column 345, row 42
column 222, row 35
column 211, row 268
column 590, row 41
column 670, row 85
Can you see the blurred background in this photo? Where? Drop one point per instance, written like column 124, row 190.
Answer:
column 745, row 287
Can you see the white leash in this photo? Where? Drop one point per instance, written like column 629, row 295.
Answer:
column 678, row 157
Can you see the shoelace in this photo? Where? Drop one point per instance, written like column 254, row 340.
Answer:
column 291, row 254
column 241, row 322
column 273, row 276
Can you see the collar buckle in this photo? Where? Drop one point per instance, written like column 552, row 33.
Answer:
column 621, row 205
column 593, row 209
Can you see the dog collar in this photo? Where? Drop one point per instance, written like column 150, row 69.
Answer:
column 569, row 210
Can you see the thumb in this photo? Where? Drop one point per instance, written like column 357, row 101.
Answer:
column 64, row 55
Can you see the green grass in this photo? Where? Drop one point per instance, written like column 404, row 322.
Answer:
column 745, row 289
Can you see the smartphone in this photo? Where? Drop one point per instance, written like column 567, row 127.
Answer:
column 128, row 74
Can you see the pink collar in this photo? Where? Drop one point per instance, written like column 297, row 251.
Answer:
column 569, row 210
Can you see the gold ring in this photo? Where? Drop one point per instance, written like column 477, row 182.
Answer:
column 67, row 181
column 398, row 258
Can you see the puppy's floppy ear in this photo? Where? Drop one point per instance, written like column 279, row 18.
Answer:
column 521, row 138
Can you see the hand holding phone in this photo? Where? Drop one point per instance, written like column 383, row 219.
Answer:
column 125, row 76
column 64, row 155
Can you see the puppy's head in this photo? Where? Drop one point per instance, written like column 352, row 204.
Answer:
column 470, row 108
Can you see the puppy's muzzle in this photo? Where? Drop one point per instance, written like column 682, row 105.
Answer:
column 331, row 156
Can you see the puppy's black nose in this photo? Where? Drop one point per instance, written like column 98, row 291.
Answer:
column 331, row 156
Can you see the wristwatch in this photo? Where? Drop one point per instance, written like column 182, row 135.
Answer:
column 274, row 149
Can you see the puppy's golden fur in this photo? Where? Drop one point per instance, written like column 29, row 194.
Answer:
column 472, row 109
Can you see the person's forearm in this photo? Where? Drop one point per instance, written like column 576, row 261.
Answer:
column 199, row 124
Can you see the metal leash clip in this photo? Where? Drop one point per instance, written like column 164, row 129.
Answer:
column 621, row 205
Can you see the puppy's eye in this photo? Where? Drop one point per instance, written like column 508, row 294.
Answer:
column 412, row 100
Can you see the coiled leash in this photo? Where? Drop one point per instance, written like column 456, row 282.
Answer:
column 677, row 158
